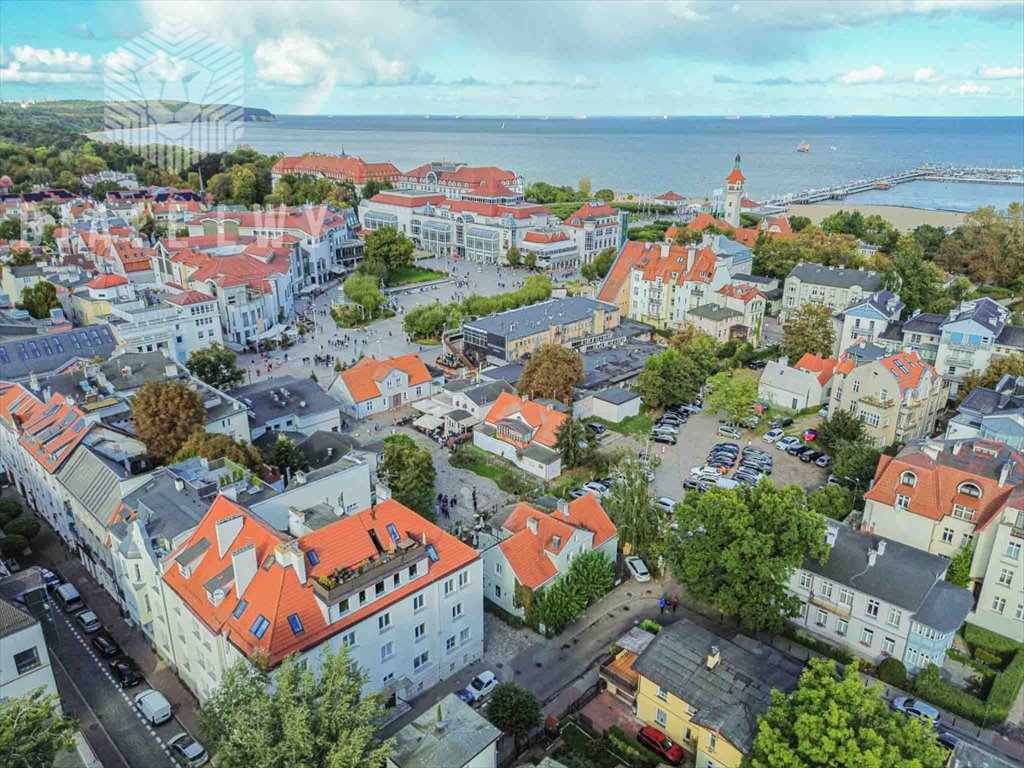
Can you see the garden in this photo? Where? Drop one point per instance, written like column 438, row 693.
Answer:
column 582, row 748
column 505, row 476
column 413, row 274
column 17, row 527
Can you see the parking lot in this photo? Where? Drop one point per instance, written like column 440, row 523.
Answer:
column 698, row 435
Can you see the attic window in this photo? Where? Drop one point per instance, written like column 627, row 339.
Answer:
column 908, row 478
column 240, row 608
column 970, row 489
column 295, row 624
column 259, row 627
column 314, row 558
column 432, row 553
column 393, row 532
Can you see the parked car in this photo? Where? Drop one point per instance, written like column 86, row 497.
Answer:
column 750, row 422
column 667, row 503
column 725, row 482
column 186, row 751
column 786, row 422
column 637, row 569
column 596, row 488
column 757, row 365
column 671, row 416
column 597, row 429
column 786, row 443
column 50, row 579
column 798, row 448
column 105, row 645
column 823, row 412
column 694, row 484
column 948, row 740
column 577, row 493
column 124, row 672
column 690, row 408
column 824, row 461
column 478, row 687
column 153, row 706
column 922, row 710
column 805, row 451
column 810, row 434
column 660, row 744
column 666, row 429
column 726, row 447
column 663, row 437
column 810, row 456
column 772, row 435
column 89, row 621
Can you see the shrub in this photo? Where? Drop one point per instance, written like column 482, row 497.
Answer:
column 975, row 636
column 986, row 656
column 12, row 544
column 842, row 655
column 25, row 525
column 650, row 625
column 892, row 672
column 9, row 509
column 627, row 747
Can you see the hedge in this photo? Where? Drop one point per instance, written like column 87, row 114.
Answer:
column 986, row 656
column 995, row 709
column 975, row 635
column 626, row 746
column 893, row 672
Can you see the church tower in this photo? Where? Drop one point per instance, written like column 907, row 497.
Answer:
column 734, row 194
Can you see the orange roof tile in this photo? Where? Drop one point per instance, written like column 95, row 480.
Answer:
column 407, row 201
column 107, row 281
column 543, row 237
column 820, row 367
column 361, row 379
column 51, row 431
column 592, row 211
column 908, row 369
column 545, row 421
column 186, row 298
column 744, row 292
column 669, row 196
column 344, row 167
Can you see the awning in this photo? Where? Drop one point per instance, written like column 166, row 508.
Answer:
column 428, row 422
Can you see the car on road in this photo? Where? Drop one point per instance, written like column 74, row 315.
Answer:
column 810, row 434
column 124, row 672
column 948, row 740
column 786, row 443
column 577, row 493
column 660, row 744
column 478, row 687
column 666, row 429
column 809, row 456
column 153, row 706
column 922, row 710
column 824, row 461
column 596, row 488
column 50, row 579
column 772, row 435
column 667, row 503
column 186, row 751
column 663, row 437
column 637, row 569
column 597, row 429
column 89, row 621
column 105, row 645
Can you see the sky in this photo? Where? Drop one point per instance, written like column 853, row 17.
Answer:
column 499, row 57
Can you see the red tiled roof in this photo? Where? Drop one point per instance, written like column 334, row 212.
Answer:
column 907, row 368
column 185, row 298
column 735, row 175
column 276, row 592
column 343, row 167
column 669, row 196
column 407, row 201
column 494, row 209
column 592, row 211
column 744, row 292
column 51, row 431
column 361, row 379
column 542, row 237
column 107, row 281
column 312, row 221
column 821, row 367
column 545, row 421
column 469, row 177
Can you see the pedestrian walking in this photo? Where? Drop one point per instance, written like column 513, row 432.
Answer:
column 662, row 604
column 675, row 604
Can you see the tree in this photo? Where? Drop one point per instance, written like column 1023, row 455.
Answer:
column 514, row 709
column 856, row 461
column 997, row 368
column 243, row 185
column 295, row 718
column 39, row 298
column 33, row 731
column 530, row 259
column 833, row 721
column 959, row 571
column 591, row 575
column 216, row 365
column 409, row 472
column 514, row 257
column 929, row 237
column 799, row 223
column 600, row 266
column 892, row 671
column 605, row 194
column 669, row 378
column 386, row 250
column 584, row 187
column 699, row 348
column 165, row 415
column 373, row 187
column 637, row 517
column 22, row 257
column 832, row 501
column 838, row 427
column 362, row 290
column 286, row 457
column 918, row 282
column 742, row 545
column 733, row 394
column 23, row 525
column 809, row 331
column 576, row 443
column 553, row 371
column 10, row 229
column 686, row 236
column 556, row 606
column 212, row 446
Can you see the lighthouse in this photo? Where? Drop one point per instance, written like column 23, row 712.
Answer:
column 734, row 194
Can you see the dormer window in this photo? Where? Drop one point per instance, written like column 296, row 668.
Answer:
column 909, row 479
column 970, row 489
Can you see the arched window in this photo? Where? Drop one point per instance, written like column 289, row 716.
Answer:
column 908, row 478
column 970, row 489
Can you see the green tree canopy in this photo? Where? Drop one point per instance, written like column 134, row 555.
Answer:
column 856, row 461
column 740, row 546
column 409, row 472
column 373, row 187
column 212, row 446
column 918, row 282
column 809, row 331
column 39, row 298
column 591, row 575
column 386, row 250
column 834, row 721
column 832, row 501
column 165, row 415
column 32, row 730
column 997, row 368
column 638, row 518
column 514, row 709
column 363, row 291
column 557, row 605
column 217, row 366
column 553, row 371
column 839, row 426
column 601, row 265
column 576, row 444
column 514, row 257
column 669, row 378
column 959, row 571
column 733, row 394
column 298, row 720
column 286, row 457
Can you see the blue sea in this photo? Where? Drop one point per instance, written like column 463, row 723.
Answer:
column 689, row 155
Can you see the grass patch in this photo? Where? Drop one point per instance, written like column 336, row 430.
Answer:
column 413, row 274
column 638, row 426
column 587, row 749
column 350, row 316
column 481, row 463
column 569, row 479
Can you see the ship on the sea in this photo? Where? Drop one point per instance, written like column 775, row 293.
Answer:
column 803, row 148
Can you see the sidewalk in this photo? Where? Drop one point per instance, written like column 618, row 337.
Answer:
column 48, row 552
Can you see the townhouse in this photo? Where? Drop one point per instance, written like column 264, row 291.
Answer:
column 594, row 227
column 866, row 319
column 939, row 496
column 535, row 548
column 374, row 386
column 879, row 599
column 994, row 414
column 15, row 279
column 342, row 167
column 24, row 661
column 289, row 404
column 706, row 692
column 897, row 397
column 835, row 287
column 402, row 595
column 524, row 432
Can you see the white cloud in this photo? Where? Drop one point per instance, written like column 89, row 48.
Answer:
column 582, row 82
column 971, row 88
column 1000, row 73
column 25, row 64
column 926, row 75
column 872, row 74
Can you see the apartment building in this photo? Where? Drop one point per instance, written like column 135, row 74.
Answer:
column 342, row 167
column 897, row 397
column 866, row 319
column 535, row 548
column 594, row 227
column 880, row 599
column 706, row 692
column 458, row 181
column 574, row 322
column 374, row 386
column 403, row 595
column 288, row 404
column 24, row 660
column 523, row 431
column 939, row 496
column 835, row 287
column 994, row 414
column 47, row 354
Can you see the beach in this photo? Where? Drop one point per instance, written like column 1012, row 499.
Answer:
column 903, row 218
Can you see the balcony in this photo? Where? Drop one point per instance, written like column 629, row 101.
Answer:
column 332, row 589
column 620, row 674
column 828, row 605
column 877, row 402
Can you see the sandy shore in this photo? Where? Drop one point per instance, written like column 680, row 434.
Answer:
column 904, row 219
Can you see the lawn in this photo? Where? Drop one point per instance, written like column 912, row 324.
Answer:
column 504, row 475
column 576, row 741
column 413, row 274
column 638, row 426
column 569, row 479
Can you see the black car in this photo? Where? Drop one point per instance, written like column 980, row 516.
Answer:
column 125, row 674
column 806, row 450
column 105, row 645
column 597, row 429
column 757, row 365
column 779, row 423
column 810, row 456
column 793, row 450
column 662, row 437
column 694, row 485
column 722, row 458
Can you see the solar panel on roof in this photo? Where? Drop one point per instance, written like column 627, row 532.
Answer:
column 46, row 348
column 58, row 346
column 393, row 532
column 22, row 352
column 51, row 410
column 35, row 348
column 74, row 342
column 78, row 427
column 68, row 420
column 432, row 553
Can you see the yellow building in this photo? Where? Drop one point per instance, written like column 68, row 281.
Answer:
column 706, row 692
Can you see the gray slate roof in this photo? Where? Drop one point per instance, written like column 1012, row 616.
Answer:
column 903, row 576
column 526, row 321
column 13, row 619
column 166, row 511
column 715, row 312
column 1011, row 336
column 836, row 277
column 450, row 733
column 487, row 393
column 729, row 697
column 93, row 482
column 263, row 408
column 47, row 353
column 616, row 395
column 925, row 323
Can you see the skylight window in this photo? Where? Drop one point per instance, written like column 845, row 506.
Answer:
column 259, row 627
column 295, row 624
column 432, row 553
column 393, row 532
column 240, row 608
column 314, row 558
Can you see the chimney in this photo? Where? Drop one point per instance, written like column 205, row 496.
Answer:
column 956, row 447
column 296, row 522
column 531, row 523
column 563, row 507
column 880, row 547
column 170, row 371
column 33, row 381
column 288, row 554
column 872, row 556
column 243, row 563
column 831, row 534
column 227, row 531
column 556, row 541
column 1004, row 472
column 714, row 657
column 179, row 484
column 300, row 477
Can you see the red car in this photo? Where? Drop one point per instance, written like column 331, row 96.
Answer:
column 810, row 434
column 660, row 744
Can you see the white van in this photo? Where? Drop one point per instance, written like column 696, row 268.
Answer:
column 69, row 598
column 725, row 482
column 154, row 707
